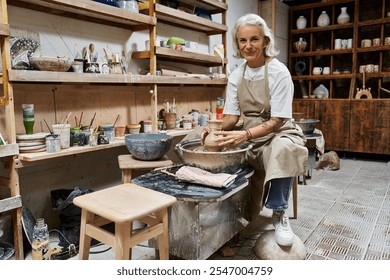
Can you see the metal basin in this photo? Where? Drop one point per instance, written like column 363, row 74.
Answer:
column 215, row 162
column 307, row 125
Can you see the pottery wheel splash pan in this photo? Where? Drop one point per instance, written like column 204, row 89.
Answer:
column 215, row 162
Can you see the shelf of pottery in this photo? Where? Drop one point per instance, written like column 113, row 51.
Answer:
column 340, row 45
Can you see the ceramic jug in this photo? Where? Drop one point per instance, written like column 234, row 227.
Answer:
column 300, row 45
column 209, row 142
column 343, row 17
column 323, row 19
column 301, row 22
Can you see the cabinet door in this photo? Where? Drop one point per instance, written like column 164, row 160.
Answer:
column 334, row 116
column 370, row 126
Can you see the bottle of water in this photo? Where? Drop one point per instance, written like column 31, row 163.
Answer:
column 40, row 243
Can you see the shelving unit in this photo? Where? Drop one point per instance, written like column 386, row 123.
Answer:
column 345, row 121
column 95, row 12
column 9, row 152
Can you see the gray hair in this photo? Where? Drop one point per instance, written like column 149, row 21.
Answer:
column 255, row 20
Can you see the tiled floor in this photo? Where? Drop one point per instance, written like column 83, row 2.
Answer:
column 342, row 215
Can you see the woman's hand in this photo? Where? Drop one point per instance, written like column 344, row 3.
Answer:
column 231, row 138
column 203, row 135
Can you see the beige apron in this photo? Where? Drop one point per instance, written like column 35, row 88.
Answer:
column 277, row 155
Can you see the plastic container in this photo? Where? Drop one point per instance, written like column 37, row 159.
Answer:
column 134, row 128
column 147, row 126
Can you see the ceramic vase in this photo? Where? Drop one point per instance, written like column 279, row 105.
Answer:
column 301, row 22
column 300, row 45
column 323, row 19
column 343, row 17
column 28, row 117
column 210, row 143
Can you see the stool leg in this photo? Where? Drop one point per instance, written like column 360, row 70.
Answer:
column 295, row 198
column 126, row 176
column 122, row 235
column 85, row 240
column 163, row 239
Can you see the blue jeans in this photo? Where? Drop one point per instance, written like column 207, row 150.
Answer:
column 279, row 193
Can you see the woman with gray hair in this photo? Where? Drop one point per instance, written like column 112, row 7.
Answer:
column 260, row 92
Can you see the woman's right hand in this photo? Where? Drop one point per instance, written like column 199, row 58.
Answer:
column 205, row 132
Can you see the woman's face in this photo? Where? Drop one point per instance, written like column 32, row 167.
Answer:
column 251, row 43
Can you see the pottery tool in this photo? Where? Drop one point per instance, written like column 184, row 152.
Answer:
column 81, row 117
column 84, row 53
column 91, row 51
column 76, row 121
column 66, row 120
column 48, row 127
column 106, row 55
column 117, row 117
column 93, row 118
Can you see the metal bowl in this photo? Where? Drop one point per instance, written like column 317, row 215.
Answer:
column 307, row 125
column 215, row 162
column 148, row 146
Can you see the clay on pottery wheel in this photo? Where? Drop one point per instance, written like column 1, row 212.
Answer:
column 266, row 248
column 209, row 142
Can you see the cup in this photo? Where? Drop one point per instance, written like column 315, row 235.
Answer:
column 387, row 41
column 317, row 70
column 63, row 131
column 53, row 143
column 120, row 131
column 349, row 44
column 170, row 120
column 344, row 43
column 134, row 128
column 337, row 44
column 78, row 66
column 366, row 43
column 370, row 68
column 376, row 42
column 92, row 67
column 362, row 68
column 28, row 118
column 326, row 71
column 376, row 68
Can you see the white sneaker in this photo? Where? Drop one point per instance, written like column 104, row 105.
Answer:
column 284, row 235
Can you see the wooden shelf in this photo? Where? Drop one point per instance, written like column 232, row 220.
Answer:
column 181, row 56
column 213, row 6
column 9, row 150
column 88, row 10
column 322, row 77
column 34, row 157
column 319, row 29
column 320, row 53
column 189, row 21
column 32, row 76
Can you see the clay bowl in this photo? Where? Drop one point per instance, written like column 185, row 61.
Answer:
column 191, row 153
column 45, row 63
column 148, row 146
column 307, row 125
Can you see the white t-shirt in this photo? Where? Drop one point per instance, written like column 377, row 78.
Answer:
column 281, row 88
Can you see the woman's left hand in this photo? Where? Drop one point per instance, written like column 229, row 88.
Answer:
column 231, row 138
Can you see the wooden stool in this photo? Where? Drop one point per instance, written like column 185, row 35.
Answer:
column 122, row 205
column 295, row 198
column 128, row 163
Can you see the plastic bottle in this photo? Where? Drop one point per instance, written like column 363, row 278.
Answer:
column 40, row 243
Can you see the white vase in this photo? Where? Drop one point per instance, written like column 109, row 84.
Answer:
column 343, row 17
column 301, row 22
column 323, row 19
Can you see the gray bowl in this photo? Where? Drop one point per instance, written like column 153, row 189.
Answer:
column 148, row 146
column 307, row 125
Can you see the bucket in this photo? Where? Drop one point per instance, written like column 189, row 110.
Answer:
column 170, row 120
column 64, row 129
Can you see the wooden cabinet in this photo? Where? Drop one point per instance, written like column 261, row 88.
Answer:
column 359, row 76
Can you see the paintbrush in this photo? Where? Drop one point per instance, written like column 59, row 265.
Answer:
column 117, row 117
